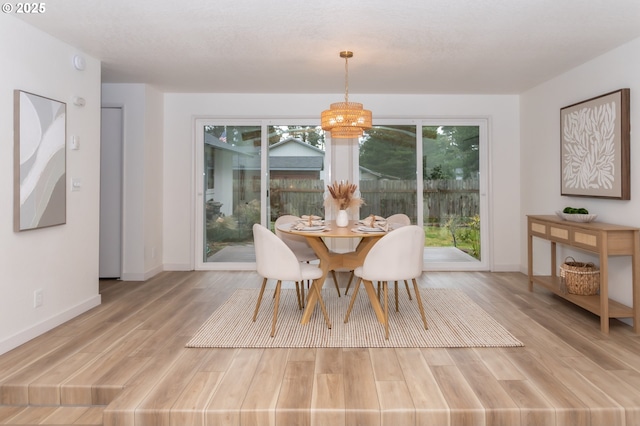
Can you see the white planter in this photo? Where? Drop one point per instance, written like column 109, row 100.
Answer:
column 342, row 219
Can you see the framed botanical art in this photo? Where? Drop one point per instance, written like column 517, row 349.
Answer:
column 594, row 147
column 40, row 191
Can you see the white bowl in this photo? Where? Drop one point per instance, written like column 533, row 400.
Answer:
column 577, row 217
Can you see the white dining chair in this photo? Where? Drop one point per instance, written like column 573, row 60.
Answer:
column 298, row 244
column 275, row 260
column 397, row 256
column 394, row 221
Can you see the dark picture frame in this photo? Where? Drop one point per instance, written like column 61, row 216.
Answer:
column 40, row 134
column 595, row 147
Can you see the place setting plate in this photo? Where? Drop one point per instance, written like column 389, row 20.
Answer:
column 367, row 229
column 315, row 228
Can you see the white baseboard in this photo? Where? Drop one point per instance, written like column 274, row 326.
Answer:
column 506, row 268
column 178, row 267
column 48, row 324
column 153, row 272
column 138, row 276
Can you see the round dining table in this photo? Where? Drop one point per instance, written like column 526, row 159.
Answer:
column 331, row 261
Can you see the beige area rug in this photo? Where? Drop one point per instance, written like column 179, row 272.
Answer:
column 454, row 320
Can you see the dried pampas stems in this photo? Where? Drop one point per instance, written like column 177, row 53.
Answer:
column 343, row 195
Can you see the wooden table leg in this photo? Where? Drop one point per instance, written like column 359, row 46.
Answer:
column 330, row 261
column 375, row 302
column 321, row 250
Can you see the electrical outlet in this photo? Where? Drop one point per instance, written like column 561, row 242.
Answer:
column 37, row 298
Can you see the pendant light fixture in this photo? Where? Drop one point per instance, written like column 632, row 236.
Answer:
column 346, row 119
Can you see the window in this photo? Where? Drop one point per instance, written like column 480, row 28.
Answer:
column 254, row 171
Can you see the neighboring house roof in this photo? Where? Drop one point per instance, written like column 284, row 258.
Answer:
column 278, row 146
column 296, row 163
column 209, row 139
column 250, row 160
column 282, row 163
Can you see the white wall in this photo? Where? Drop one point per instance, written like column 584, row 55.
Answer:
column 61, row 260
column 540, row 155
column 142, row 180
column 153, row 163
column 182, row 108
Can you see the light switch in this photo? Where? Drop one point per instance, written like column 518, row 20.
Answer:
column 76, row 184
column 75, row 142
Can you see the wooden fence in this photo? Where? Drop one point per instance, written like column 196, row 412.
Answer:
column 442, row 198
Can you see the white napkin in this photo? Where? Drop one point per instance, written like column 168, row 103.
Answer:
column 311, row 220
column 374, row 221
column 308, row 222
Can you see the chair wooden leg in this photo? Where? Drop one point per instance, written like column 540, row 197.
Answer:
column 298, row 294
column 395, row 291
column 335, row 281
column 419, row 298
column 275, row 309
column 386, row 310
column 406, row 284
column 255, row 313
column 353, row 299
column 349, row 283
column 324, row 309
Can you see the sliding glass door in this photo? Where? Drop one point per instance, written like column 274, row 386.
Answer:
column 434, row 171
column 231, row 192
column 446, row 197
column 453, row 194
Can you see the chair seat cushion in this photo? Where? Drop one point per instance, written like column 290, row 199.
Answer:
column 310, row 272
column 358, row 272
column 305, row 254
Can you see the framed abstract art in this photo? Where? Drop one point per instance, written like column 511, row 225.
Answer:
column 594, row 151
column 39, row 161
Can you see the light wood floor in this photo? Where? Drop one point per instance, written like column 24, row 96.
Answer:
column 124, row 363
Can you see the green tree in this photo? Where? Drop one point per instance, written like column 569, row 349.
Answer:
column 390, row 150
column 437, row 173
column 463, row 144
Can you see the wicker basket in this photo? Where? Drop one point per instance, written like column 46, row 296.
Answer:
column 579, row 278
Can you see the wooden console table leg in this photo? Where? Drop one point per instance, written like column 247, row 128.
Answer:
column 554, row 259
column 530, row 255
column 604, row 287
column 635, row 270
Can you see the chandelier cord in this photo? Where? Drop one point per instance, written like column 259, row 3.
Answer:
column 346, row 79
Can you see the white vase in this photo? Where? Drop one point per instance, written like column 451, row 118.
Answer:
column 342, row 219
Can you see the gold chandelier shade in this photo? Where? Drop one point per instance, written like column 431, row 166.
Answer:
column 346, row 119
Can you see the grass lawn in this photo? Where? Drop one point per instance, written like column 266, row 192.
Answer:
column 436, row 236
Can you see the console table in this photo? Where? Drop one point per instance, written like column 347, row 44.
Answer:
column 603, row 239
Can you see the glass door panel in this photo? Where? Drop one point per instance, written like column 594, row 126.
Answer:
column 231, row 192
column 388, row 171
column 296, row 170
column 451, row 192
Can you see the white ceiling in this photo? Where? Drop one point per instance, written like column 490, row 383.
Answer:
column 291, row 46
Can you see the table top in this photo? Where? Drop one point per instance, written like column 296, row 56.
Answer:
column 600, row 226
column 333, row 231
